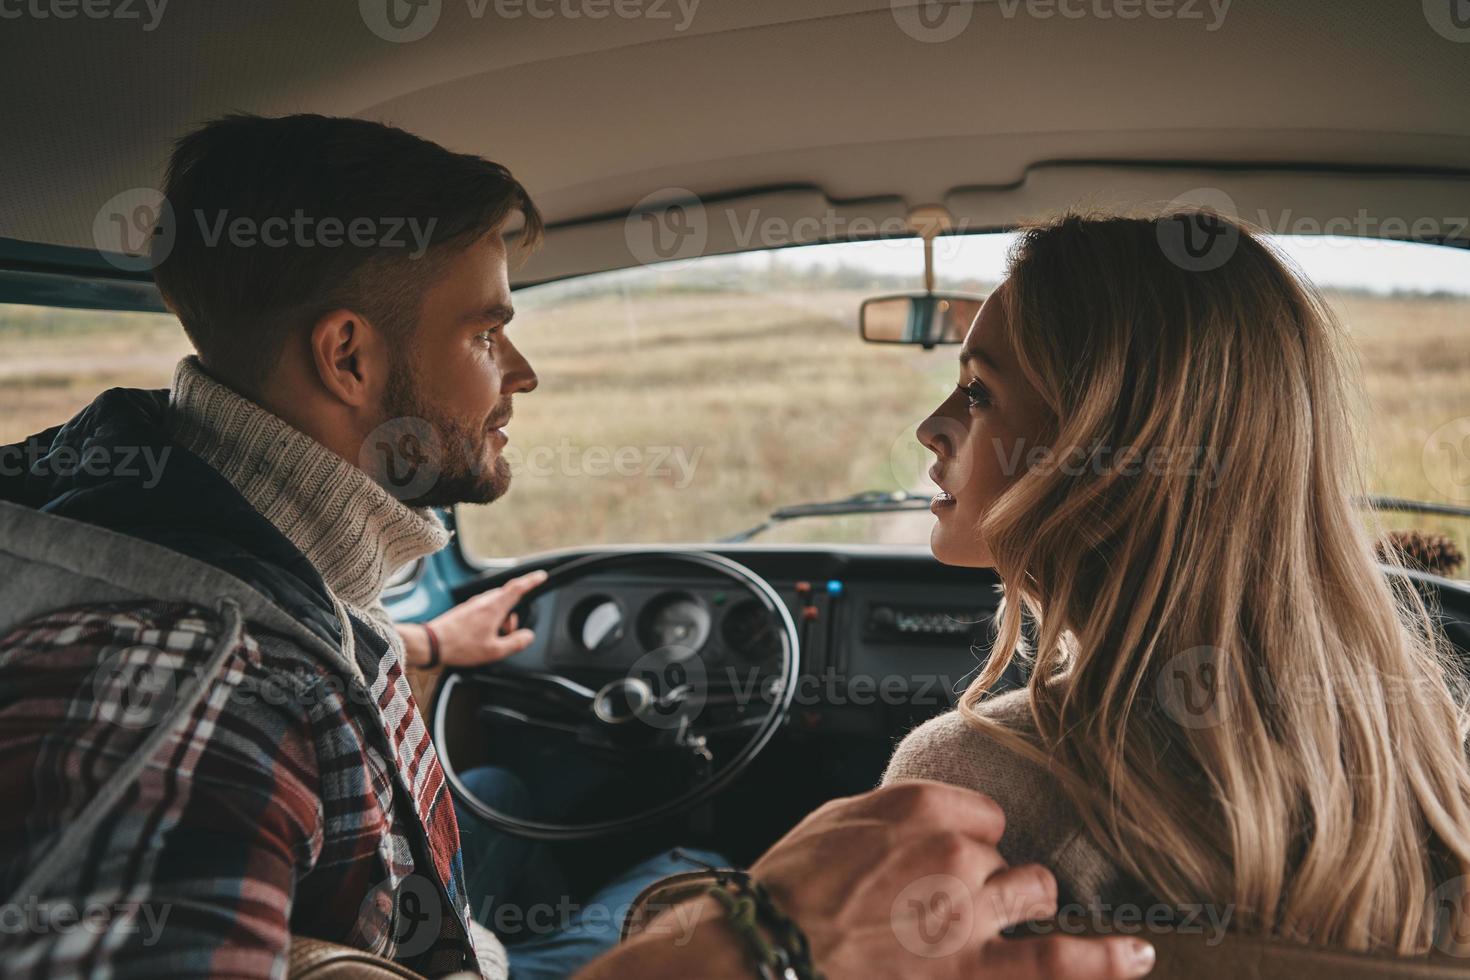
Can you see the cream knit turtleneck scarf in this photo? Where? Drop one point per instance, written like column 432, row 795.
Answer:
column 353, row 531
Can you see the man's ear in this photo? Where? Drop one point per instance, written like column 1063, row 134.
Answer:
column 348, row 356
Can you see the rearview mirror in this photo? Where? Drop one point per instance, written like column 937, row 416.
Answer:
column 925, row 319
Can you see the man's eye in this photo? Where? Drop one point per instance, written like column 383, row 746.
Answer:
column 486, row 336
column 977, row 394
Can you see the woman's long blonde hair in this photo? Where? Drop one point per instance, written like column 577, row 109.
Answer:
column 1245, row 709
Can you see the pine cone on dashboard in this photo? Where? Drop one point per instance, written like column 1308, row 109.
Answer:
column 1434, row 553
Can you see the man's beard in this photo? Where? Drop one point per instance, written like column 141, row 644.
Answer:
column 458, row 450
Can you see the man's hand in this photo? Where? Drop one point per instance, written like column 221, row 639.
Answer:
column 901, row 882
column 478, row 631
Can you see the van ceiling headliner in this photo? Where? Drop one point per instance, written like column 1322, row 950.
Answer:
column 813, row 107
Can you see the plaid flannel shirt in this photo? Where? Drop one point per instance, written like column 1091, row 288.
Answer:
column 270, row 811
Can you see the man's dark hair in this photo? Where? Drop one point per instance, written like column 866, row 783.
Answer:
column 264, row 212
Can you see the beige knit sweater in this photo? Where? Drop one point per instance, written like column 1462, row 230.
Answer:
column 1042, row 825
column 354, row 532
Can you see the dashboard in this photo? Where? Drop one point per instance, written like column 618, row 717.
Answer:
column 888, row 636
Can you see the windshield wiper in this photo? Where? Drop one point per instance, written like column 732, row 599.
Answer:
column 867, row 502
column 1416, row 506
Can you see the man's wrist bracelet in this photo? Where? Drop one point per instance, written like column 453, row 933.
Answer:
column 433, row 639
column 778, row 946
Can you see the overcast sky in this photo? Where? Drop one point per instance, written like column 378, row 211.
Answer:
column 1328, row 260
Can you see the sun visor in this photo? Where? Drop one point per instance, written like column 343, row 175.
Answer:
column 675, row 224
column 1428, row 208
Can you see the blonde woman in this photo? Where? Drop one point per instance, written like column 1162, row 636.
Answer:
column 1230, row 705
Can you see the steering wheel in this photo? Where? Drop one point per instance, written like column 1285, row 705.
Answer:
column 629, row 713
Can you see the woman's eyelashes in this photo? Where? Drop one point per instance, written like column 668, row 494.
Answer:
column 976, row 394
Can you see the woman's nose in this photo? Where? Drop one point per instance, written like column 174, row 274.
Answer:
column 932, row 435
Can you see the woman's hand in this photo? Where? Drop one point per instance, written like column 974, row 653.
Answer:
column 478, row 631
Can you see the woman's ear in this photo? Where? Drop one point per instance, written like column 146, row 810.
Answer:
column 347, row 355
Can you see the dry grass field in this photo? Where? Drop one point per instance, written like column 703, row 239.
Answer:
column 684, row 416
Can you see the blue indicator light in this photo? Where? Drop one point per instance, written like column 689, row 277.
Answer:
column 834, row 587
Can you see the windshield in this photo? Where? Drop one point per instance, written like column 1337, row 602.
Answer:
column 684, row 402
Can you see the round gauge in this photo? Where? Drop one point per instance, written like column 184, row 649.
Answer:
column 675, row 620
column 749, row 630
column 597, row 623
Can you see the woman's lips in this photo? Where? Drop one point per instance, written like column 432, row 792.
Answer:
column 941, row 500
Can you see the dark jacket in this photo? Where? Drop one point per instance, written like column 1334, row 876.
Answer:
column 186, row 752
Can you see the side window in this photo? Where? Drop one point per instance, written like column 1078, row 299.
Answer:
column 1407, row 310
column 53, row 362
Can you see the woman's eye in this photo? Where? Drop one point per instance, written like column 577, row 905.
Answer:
column 977, row 394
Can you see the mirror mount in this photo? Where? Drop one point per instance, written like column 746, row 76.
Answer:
column 929, row 221
column 926, row 319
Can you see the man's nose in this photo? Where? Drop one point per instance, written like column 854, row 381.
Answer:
column 517, row 377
